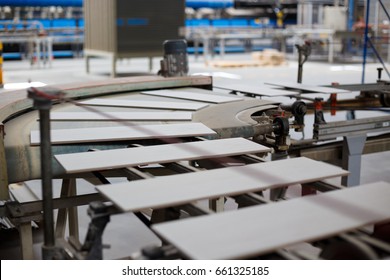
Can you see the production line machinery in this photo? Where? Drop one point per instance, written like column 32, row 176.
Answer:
column 198, row 144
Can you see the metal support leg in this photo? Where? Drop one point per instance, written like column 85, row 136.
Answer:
column 4, row 194
column 150, row 64
column 352, row 159
column 222, row 47
column 47, row 187
column 206, row 46
column 73, row 213
column 43, row 102
column 276, row 194
column 50, row 50
column 62, row 214
column 330, row 48
column 26, row 241
column 68, row 189
column 217, row 205
column 38, row 52
column 113, row 66
column 87, row 63
column 196, row 49
column 100, row 216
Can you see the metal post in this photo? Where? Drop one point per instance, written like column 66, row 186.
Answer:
column 222, row 46
column 47, row 188
column 150, row 63
column 38, row 51
column 43, row 102
column 300, row 67
column 113, row 66
column 4, row 194
column 351, row 13
column 303, row 52
column 26, row 241
column 278, row 193
column 217, row 205
column 365, row 40
column 330, row 48
column 87, row 63
column 206, row 42
column 100, row 216
column 49, row 42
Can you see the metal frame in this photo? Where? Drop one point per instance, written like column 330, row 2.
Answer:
column 367, row 41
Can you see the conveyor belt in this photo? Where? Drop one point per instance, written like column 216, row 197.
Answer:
column 122, row 116
column 145, row 104
column 117, row 158
column 261, row 229
column 121, row 133
column 309, row 88
column 228, row 119
column 183, row 188
column 198, row 95
column 219, row 115
column 260, row 90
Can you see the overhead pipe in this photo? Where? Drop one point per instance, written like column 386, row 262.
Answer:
column 216, row 4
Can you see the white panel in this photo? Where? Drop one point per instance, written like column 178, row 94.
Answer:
column 128, row 116
column 145, row 104
column 179, row 189
column 261, row 229
column 310, row 88
column 210, row 97
column 120, row 133
column 107, row 159
column 260, row 90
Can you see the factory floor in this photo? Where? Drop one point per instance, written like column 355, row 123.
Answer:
column 125, row 234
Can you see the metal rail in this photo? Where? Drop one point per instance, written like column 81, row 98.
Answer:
column 353, row 127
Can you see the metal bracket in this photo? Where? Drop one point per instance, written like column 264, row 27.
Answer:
column 100, row 216
column 352, row 159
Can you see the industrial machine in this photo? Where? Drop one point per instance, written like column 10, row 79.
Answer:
column 176, row 141
column 123, row 29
